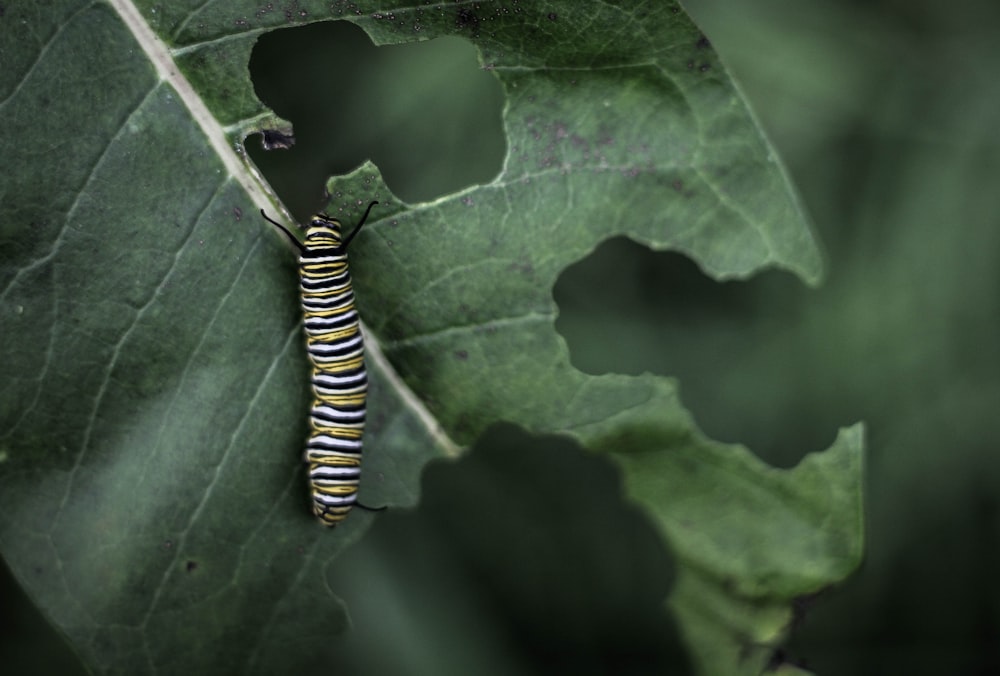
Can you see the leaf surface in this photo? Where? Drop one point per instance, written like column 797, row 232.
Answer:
column 151, row 500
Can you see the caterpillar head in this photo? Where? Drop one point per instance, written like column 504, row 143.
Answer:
column 324, row 233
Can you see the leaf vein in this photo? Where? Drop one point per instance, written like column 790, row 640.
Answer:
column 44, row 50
column 439, row 334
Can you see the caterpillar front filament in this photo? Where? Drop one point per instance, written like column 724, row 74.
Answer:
column 339, row 381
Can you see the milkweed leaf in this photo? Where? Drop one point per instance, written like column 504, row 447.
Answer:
column 151, row 413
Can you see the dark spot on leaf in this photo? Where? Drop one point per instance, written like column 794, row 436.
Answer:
column 553, row 16
column 461, row 355
column 238, row 213
column 677, row 184
column 190, row 566
column 169, row 544
column 466, row 18
column 704, row 67
column 689, row 65
column 776, row 660
column 272, row 139
column 703, row 43
column 525, row 268
column 780, row 657
column 801, row 605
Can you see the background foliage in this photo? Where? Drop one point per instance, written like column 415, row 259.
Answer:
column 884, row 116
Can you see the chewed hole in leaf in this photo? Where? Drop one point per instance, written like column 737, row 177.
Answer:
column 426, row 113
column 741, row 350
column 524, row 549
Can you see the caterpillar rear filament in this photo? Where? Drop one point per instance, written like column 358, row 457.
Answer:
column 339, row 381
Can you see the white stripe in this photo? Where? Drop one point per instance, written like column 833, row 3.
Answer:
column 326, row 472
column 334, row 346
column 335, row 500
column 336, row 414
column 337, row 295
column 327, row 440
column 328, row 381
column 324, row 360
column 345, row 318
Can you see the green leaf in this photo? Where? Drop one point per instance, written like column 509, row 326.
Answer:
column 151, row 501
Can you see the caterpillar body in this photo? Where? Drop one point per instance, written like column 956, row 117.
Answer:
column 339, row 380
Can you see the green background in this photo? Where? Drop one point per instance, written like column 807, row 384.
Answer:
column 885, row 116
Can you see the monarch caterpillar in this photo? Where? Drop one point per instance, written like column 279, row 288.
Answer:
column 339, row 381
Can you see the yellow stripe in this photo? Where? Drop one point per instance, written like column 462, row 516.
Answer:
column 343, row 365
column 325, row 293
column 332, row 312
column 331, row 516
column 340, row 432
column 323, row 269
column 333, row 461
column 332, row 335
column 341, row 491
column 350, row 400
column 317, row 239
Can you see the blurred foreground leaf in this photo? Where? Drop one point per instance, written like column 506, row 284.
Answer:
column 151, row 501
